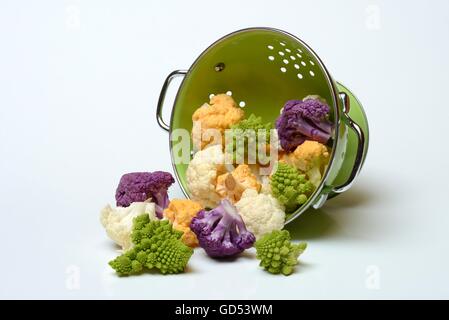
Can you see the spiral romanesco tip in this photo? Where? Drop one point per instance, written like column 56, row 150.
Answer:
column 127, row 263
column 247, row 133
column 146, row 229
column 276, row 252
column 157, row 245
column 171, row 257
column 290, row 187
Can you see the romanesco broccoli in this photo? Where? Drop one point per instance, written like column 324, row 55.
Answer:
column 290, row 187
column 170, row 257
column 245, row 142
column 127, row 263
column 276, row 252
column 144, row 230
column 157, row 245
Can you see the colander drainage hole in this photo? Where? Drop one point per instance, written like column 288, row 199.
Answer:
column 296, row 66
column 293, row 57
column 283, row 69
column 312, row 63
column 242, row 104
column 303, row 63
column 229, row 93
column 285, row 61
column 270, row 47
column 312, row 73
column 299, row 56
column 282, row 44
column 288, row 50
column 299, row 76
column 219, row 67
column 281, row 53
column 271, row 58
column 211, row 96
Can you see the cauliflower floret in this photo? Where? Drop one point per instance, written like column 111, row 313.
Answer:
column 262, row 213
column 220, row 115
column 310, row 157
column 231, row 185
column 180, row 212
column 266, row 187
column 118, row 222
column 202, row 174
column 141, row 186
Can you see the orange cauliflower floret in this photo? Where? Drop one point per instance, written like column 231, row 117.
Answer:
column 232, row 185
column 180, row 213
column 220, row 114
column 310, row 157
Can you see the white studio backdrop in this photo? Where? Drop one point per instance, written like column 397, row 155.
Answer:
column 79, row 82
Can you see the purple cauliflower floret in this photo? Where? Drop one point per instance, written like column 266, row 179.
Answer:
column 221, row 232
column 140, row 186
column 303, row 120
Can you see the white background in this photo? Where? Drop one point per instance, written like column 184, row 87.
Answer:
column 79, row 81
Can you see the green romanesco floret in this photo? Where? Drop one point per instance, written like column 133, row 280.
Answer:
column 157, row 245
column 128, row 264
column 253, row 122
column 248, row 136
column 276, row 252
column 290, row 187
column 170, row 257
column 143, row 229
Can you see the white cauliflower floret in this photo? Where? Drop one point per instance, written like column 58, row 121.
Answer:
column 202, row 174
column 262, row 213
column 118, row 222
column 266, row 187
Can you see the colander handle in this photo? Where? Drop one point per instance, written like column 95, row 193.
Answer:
column 360, row 147
column 160, row 103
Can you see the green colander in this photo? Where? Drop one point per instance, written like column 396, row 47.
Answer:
column 262, row 68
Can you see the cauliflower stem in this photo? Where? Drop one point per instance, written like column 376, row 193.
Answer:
column 142, row 186
column 221, row 231
column 231, row 185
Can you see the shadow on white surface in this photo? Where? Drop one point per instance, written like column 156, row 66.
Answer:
column 303, row 267
column 358, row 196
column 245, row 255
column 312, row 224
column 327, row 221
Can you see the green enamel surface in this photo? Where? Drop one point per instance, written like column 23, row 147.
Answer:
column 264, row 86
column 251, row 77
column 358, row 115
